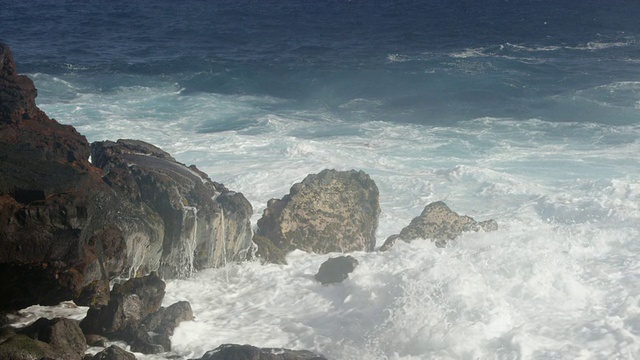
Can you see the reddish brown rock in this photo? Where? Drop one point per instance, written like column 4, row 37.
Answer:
column 57, row 215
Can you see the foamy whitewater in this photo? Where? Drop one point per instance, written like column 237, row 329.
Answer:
column 534, row 122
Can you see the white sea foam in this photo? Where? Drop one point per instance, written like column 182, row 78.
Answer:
column 558, row 280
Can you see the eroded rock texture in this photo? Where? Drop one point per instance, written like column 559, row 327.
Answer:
column 440, row 224
column 333, row 211
column 61, row 226
column 205, row 224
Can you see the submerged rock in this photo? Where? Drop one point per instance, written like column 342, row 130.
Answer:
column 62, row 225
column 335, row 270
column 439, row 224
column 248, row 352
column 205, row 224
column 333, row 211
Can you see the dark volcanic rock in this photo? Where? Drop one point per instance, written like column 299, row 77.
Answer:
column 62, row 226
column 134, row 315
column 113, row 352
column 96, row 340
column 248, row 352
column 335, row 270
column 153, row 334
column 333, row 211
column 129, row 304
column 22, row 347
column 64, row 335
column 67, row 228
column 205, row 224
column 17, row 92
column 439, row 224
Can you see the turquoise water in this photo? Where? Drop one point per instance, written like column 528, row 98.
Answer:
column 527, row 112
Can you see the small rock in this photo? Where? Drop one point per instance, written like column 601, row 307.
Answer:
column 96, row 340
column 113, row 353
column 335, row 270
column 248, row 352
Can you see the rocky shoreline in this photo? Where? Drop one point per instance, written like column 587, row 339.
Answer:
column 70, row 227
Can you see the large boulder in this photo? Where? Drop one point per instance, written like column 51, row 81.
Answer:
column 333, row 211
column 205, row 224
column 63, row 227
column 439, row 224
column 248, row 352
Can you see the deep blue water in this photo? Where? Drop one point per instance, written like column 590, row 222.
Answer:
column 527, row 112
column 425, row 62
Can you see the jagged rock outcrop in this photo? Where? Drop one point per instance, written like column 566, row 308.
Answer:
column 333, row 211
column 248, row 352
column 61, row 225
column 129, row 304
column 335, row 270
column 439, row 224
column 68, row 227
column 135, row 316
column 205, row 224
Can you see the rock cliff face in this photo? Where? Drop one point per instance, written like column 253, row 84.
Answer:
column 333, row 211
column 67, row 227
column 57, row 216
column 439, row 224
column 205, row 224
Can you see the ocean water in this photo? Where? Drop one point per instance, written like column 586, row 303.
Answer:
column 527, row 112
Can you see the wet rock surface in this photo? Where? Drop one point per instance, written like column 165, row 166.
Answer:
column 335, row 270
column 205, row 224
column 134, row 315
column 333, row 211
column 57, row 214
column 57, row 338
column 113, row 352
column 248, row 352
column 439, row 224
